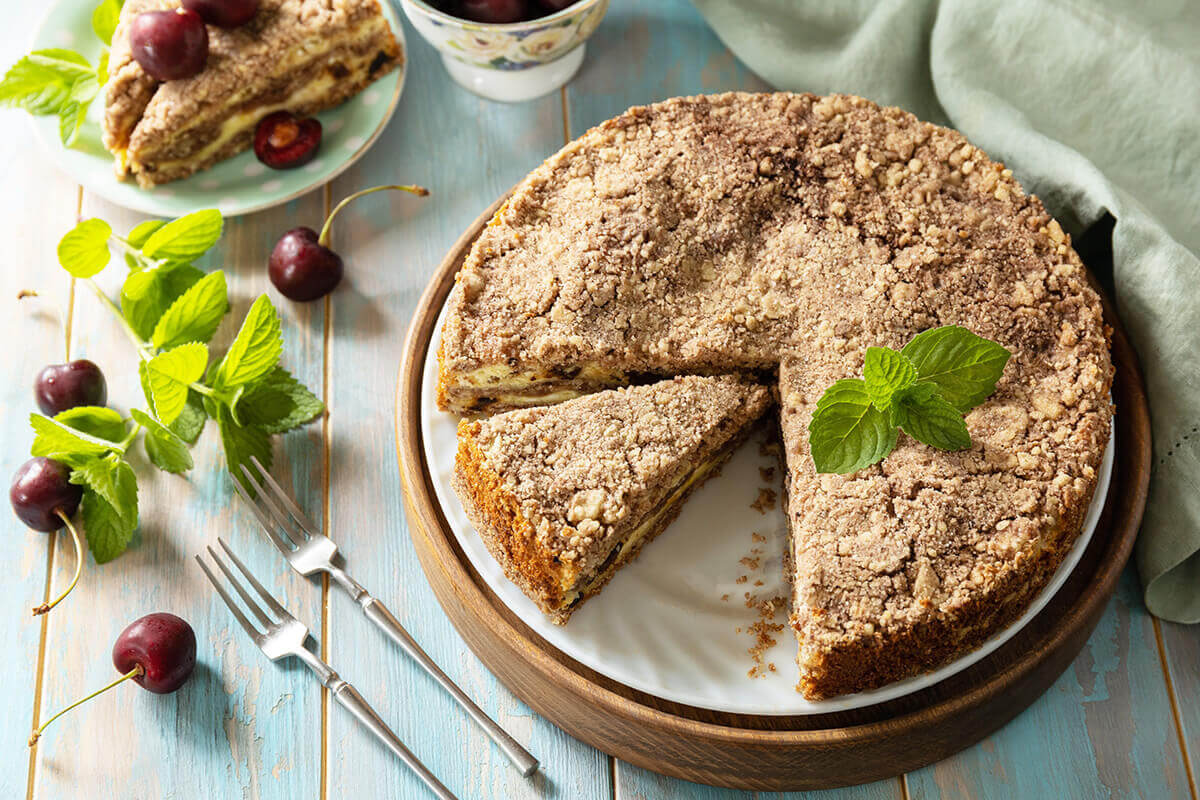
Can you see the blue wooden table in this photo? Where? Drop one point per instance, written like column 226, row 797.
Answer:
column 1123, row 721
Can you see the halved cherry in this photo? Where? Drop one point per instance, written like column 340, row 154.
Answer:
column 284, row 141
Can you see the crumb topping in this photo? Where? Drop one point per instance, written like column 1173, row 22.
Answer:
column 584, row 472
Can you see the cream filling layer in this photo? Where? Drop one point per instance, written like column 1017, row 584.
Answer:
column 641, row 531
column 505, row 377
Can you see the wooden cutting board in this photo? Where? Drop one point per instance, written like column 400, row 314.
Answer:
column 768, row 752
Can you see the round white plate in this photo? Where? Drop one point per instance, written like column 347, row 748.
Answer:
column 668, row 624
column 235, row 186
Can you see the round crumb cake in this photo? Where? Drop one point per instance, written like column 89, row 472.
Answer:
column 785, row 234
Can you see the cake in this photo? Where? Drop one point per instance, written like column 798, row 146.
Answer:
column 302, row 56
column 565, row 495
column 788, row 233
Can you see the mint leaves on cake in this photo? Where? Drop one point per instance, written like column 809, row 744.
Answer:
column 924, row 389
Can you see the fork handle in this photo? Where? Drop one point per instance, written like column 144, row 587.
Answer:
column 377, row 612
column 349, row 697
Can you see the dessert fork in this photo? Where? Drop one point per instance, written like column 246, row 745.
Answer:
column 285, row 636
column 310, row 552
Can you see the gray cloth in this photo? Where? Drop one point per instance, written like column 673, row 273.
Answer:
column 1096, row 107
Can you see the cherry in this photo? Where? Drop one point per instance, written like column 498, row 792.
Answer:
column 169, row 45
column 493, row 11
column 303, row 267
column 76, row 383
column 157, row 652
column 553, row 6
column 44, row 499
column 161, row 647
column 41, row 494
column 224, row 13
column 283, row 141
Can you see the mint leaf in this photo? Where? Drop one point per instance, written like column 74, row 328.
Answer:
column 83, row 252
column 240, row 443
column 108, row 532
column 105, row 18
column 847, row 432
column 141, row 232
column 101, row 422
column 186, row 238
column 102, row 69
column 190, row 422
column 41, row 82
column 169, row 375
column 934, row 422
column 112, row 478
column 147, row 294
column 885, row 373
column 195, row 314
column 255, row 349
column 164, row 448
column 278, row 403
column 55, row 440
column 964, row 366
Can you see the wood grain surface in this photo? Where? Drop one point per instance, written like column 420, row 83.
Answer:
column 1115, row 724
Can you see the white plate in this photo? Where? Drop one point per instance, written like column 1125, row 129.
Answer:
column 661, row 625
column 235, row 186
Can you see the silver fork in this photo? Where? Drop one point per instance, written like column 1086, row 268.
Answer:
column 310, row 552
column 285, row 636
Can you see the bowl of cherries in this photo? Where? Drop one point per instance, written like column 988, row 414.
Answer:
column 508, row 50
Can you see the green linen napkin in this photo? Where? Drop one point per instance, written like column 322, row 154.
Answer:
column 1096, row 107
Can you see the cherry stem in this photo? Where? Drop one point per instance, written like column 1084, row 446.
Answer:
column 133, row 673
column 323, row 239
column 45, row 607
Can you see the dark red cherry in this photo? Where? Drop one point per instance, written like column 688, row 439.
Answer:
column 40, row 490
column 223, row 13
column 169, row 44
column 302, row 268
column 493, row 11
column 546, row 7
column 283, row 141
column 76, row 383
column 163, row 645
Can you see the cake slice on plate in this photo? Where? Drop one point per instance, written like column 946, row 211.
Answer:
column 302, row 56
column 565, row 495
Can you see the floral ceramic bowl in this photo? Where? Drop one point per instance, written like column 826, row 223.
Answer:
column 512, row 62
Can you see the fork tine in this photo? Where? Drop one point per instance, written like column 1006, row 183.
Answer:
column 281, row 518
column 275, row 605
column 254, row 607
column 283, row 542
column 305, row 521
column 233, row 608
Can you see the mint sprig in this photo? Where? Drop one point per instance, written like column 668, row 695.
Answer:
column 925, row 389
column 59, row 82
column 170, row 310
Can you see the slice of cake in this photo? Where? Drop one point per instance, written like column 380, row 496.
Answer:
column 564, row 495
column 302, row 56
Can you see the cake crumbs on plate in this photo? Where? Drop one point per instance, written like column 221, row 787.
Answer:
column 765, row 500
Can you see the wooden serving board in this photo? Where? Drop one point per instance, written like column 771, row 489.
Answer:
column 770, row 752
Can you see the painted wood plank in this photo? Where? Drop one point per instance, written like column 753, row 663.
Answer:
column 1181, row 649
column 36, row 199
column 467, row 151
column 1104, row 729
column 242, row 727
column 635, row 783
